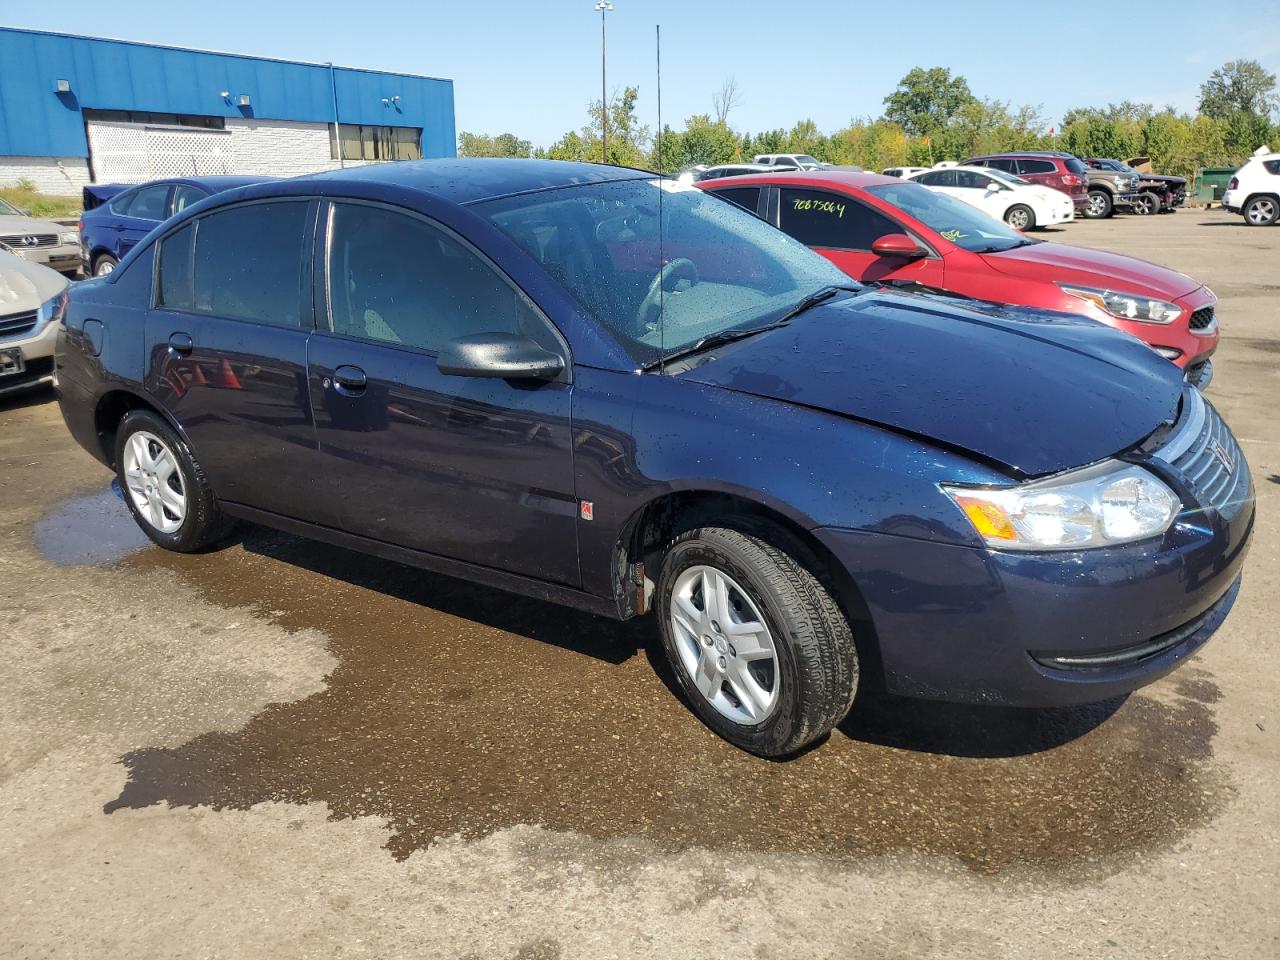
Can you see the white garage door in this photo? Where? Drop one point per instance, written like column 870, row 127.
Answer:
column 136, row 152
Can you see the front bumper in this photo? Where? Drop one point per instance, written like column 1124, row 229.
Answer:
column 1046, row 629
column 36, row 352
column 1126, row 199
column 65, row 257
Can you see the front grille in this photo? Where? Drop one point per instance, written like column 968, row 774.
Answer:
column 16, row 324
column 1202, row 319
column 1203, row 450
column 19, row 240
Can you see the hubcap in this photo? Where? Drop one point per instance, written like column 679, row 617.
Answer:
column 105, row 267
column 154, row 481
column 724, row 646
column 1262, row 211
column 1096, row 205
column 1018, row 219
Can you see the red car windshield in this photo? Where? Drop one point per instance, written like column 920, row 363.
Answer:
column 953, row 219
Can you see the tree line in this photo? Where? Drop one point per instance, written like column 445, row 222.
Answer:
column 933, row 115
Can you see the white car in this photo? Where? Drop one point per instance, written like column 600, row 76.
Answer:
column 903, row 172
column 1020, row 203
column 1254, row 190
column 33, row 299
column 40, row 241
column 801, row 161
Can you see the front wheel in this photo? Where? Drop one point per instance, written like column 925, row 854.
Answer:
column 1020, row 217
column 760, row 649
column 164, row 487
column 1261, row 211
column 1099, row 205
column 1146, row 204
column 104, row 265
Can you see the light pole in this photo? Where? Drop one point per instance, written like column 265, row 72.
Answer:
column 604, row 6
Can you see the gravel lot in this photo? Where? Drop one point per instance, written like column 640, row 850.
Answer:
column 282, row 749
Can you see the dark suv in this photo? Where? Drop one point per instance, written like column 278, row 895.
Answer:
column 1064, row 173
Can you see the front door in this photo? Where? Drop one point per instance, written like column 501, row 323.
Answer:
column 843, row 229
column 479, row 470
column 227, row 351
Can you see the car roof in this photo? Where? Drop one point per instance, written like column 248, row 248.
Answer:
column 814, row 178
column 215, row 183
column 1047, row 154
column 471, row 179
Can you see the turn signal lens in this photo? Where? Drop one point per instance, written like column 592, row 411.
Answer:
column 989, row 519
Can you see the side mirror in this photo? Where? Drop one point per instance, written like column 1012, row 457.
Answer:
column 505, row 356
column 898, row 245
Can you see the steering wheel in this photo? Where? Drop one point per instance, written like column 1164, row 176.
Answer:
column 651, row 305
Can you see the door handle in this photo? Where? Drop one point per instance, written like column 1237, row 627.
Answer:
column 349, row 381
column 181, row 344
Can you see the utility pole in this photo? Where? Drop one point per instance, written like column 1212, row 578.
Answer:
column 604, row 6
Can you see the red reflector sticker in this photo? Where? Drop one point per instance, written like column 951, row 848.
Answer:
column 587, row 509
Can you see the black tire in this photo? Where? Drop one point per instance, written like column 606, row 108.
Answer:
column 103, row 264
column 1099, row 206
column 204, row 522
column 817, row 663
column 1147, row 204
column 1020, row 217
column 1261, row 211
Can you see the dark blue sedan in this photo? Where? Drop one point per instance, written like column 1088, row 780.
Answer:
column 600, row 388
column 116, row 217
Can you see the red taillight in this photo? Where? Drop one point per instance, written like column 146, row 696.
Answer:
column 80, row 225
column 1071, row 180
column 1234, row 184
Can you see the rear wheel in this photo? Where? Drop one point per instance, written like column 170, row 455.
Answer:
column 1099, row 205
column 1020, row 217
column 760, row 650
column 104, row 265
column 1261, row 211
column 164, row 487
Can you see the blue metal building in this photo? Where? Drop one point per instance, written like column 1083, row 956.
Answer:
column 74, row 108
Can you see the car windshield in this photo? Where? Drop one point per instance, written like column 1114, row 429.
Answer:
column 707, row 267
column 1006, row 176
column 8, row 209
column 953, row 219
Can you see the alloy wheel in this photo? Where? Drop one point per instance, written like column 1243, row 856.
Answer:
column 1261, row 212
column 103, row 268
column 1018, row 219
column 724, row 645
column 155, row 482
column 1097, row 205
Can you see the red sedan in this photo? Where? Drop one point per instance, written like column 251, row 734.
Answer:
column 885, row 230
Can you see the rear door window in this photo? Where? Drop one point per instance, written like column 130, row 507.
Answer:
column 149, row 203
column 746, row 197
column 248, row 262
column 832, row 221
column 1002, row 163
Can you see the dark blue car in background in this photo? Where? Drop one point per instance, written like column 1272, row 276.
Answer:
column 593, row 386
column 116, row 217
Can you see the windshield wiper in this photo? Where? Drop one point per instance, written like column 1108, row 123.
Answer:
column 729, row 336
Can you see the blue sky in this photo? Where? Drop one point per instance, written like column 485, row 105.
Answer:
column 531, row 67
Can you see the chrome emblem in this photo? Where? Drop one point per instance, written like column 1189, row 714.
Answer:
column 1221, row 453
column 29, row 241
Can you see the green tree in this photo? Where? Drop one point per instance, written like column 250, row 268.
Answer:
column 926, row 100
column 628, row 138
column 483, row 145
column 1239, row 86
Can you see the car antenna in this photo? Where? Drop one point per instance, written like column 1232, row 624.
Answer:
column 662, row 287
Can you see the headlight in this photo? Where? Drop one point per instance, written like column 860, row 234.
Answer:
column 1126, row 306
column 1098, row 506
column 69, row 236
column 53, row 310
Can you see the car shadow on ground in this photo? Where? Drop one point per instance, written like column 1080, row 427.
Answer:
column 27, row 398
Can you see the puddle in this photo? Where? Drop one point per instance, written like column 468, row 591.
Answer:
column 458, row 710
column 89, row 531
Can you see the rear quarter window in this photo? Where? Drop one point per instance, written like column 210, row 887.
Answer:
column 1036, row 166
column 173, row 280
column 1271, row 166
column 748, row 198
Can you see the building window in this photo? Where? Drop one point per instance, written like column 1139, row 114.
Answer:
column 364, row 142
column 159, row 119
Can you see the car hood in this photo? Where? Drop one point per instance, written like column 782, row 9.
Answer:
column 1111, row 271
column 24, row 285
column 1033, row 391
column 22, row 226
column 1164, row 178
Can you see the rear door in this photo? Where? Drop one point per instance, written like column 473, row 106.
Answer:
column 843, row 229
column 475, row 469
column 227, row 350
column 980, row 191
column 1043, row 172
column 137, row 215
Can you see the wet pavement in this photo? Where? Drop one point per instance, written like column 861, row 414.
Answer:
column 279, row 748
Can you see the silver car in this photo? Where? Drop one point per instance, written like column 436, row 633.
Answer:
column 40, row 241
column 33, row 299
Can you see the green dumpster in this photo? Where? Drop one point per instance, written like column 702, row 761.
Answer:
column 1215, row 179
